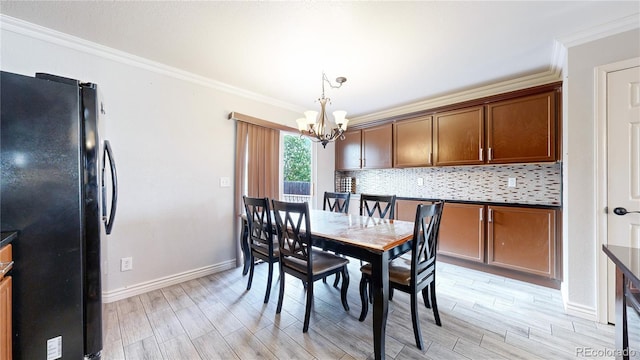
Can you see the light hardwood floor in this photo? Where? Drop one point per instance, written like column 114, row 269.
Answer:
column 483, row 317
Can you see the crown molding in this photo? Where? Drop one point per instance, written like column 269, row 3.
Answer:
column 607, row 29
column 38, row 32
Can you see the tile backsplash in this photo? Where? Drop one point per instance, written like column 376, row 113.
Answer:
column 538, row 184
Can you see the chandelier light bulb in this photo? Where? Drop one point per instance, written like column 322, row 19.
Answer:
column 302, row 124
column 311, row 116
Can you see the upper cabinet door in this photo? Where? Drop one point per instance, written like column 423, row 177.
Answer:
column 458, row 137
column 522, row 129
column 377, row 146
column 348, row 151
column 412, row 143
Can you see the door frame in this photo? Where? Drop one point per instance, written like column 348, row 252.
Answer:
column 601, row 147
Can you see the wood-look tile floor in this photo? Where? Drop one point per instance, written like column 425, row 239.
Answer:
column 483, row 317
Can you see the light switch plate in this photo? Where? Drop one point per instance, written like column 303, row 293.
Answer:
column 511, row 182
column 225, row 181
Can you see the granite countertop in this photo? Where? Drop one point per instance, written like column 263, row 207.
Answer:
column 8, row 237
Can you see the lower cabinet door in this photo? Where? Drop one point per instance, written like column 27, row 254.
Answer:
column 5, row 319
column 462, row 231
column 522, row 239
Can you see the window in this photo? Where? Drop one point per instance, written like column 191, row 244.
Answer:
column 296, row 168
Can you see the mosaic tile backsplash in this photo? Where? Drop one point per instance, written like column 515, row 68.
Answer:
column 537, row 184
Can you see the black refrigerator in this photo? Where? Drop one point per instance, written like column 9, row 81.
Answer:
column 53, row 194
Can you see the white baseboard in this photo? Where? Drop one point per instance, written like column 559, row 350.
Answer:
column 141, row 288
column 581, row 311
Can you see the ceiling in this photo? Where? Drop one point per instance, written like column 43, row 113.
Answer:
column 392, row 53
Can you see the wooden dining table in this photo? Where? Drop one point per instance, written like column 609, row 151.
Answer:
column 370, row 239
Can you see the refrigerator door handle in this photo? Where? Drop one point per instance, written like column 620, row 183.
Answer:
column 108, row 222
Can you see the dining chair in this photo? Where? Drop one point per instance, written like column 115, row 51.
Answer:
column 416, row 273
column 381, row 206
column 299, row 258
column 261, row 238
column 336, row 202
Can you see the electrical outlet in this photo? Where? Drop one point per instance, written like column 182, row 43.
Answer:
column 126, row 264
column 225, row 181
column 511, row 182
column 420, row 182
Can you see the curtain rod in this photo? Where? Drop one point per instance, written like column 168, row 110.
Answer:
column 259, row 122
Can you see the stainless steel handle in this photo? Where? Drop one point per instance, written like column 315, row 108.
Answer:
column 5, row 267
column 481, row 214
column 481, row 154
column 490, row 215
column 490, row 155
column 108, row 153
column 622, row 211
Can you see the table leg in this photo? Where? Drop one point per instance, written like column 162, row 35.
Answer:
column 379, row 287
column 622, row 338
column 244, row 244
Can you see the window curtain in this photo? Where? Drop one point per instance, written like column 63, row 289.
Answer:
column 257, row 166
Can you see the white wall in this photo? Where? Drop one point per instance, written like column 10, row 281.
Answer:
column 172, row 142
column 579, row 134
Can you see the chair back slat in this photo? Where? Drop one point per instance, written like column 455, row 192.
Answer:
column 336, row 202
column 259, row 222
column 425, row 241
column 381, row 206
column 294, row 230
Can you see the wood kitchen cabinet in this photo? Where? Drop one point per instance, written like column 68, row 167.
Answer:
column 522, row 129
column 412, row 142
column 377, row 147
column 522, row 239
column 462, row 233
column 5, row 304
column 348, row 151
column 369, row 148
column 458, row 137
column 520, row 242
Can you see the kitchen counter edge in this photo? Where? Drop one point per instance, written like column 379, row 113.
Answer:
column 8, row 237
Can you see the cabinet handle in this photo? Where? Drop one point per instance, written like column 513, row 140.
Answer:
column 430, row 158
column 490, row 215
column 481, row 214
column 5, row 267
column 490, row 155
column 481, row 155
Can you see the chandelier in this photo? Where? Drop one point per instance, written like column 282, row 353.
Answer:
column 317, row 127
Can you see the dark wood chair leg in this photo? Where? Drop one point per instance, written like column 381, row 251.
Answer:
column 415, row 320
column 434, row 304
column 364, row 297
column 307, row 312
column 345, row 287
column 336, row 280
column 390, row 293
column 269, row 280
column 251, row 266
column 279, row 308
column 425, row 297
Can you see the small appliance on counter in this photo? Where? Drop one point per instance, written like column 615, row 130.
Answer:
column 346, row 184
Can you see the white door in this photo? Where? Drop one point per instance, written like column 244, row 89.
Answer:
column 623, row 159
